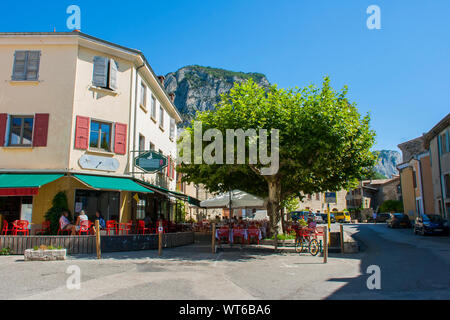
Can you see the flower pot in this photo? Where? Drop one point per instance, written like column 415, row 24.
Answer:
column 45, row 255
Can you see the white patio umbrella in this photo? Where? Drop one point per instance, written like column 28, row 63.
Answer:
column 239, row 199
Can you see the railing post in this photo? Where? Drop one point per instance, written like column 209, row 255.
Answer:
column 97, row 239
column 342, row 238
column 160, row 232
column 213, row 242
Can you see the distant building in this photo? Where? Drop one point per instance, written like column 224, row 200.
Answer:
column 415, row 175
column 316, row 202
column 370, row 194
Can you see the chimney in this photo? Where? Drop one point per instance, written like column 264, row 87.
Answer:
column 161, row 79
column 172, row 96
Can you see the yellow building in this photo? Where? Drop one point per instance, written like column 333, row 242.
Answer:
column 71, row 119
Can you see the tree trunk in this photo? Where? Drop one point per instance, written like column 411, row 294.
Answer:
column 273, row 207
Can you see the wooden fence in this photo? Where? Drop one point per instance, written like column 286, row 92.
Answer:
column 86, row 244
column 74, row 245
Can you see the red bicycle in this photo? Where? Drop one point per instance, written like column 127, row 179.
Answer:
column 306, row 238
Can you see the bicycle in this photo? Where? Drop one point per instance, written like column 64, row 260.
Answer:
column 306, row 238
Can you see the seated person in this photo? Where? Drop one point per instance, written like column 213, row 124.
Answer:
column 101, row 221
column 82, row 217
column 65, row 224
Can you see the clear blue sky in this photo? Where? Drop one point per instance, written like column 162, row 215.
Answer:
column 399, row 73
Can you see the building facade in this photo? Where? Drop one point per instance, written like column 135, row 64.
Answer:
column 437, row 141
column 74, row 113
column 316, row 202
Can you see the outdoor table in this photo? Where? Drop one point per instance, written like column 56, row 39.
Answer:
column 230, row 236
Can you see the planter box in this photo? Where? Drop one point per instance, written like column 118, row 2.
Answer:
column 45, row 255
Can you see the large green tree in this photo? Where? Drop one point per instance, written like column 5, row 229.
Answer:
column 324, row 143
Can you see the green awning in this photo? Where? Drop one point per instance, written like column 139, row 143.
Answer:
column 194, row 201
column 112, row 183
column 26, row 180
column 163, row 190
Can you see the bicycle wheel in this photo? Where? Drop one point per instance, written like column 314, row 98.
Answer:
column 314, row 247
column 299, row 245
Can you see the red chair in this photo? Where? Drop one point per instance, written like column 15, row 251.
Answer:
column 21, row 226
column 45, row 228
column 84, row 227
column 62, row 232
column 124, row 227
column 5, row 228
column 111, row 225
column 141, row 227
column 223, row 233
column 239, row 233
column 253, row 233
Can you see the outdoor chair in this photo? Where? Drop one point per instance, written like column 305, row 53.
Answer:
column 124, row 228
column 84, row 228
column 45, row 228
column 111, row 225
column 62, row 232
column 21, row 226
column 141, row 227
column 5, row 228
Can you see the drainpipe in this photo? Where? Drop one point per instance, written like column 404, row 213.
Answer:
column 135, row 114
column 444, row 213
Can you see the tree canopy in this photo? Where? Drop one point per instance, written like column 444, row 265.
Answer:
column 324, row 143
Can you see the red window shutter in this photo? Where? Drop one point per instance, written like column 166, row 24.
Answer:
column 82, row 133
column 120, row 138
column 3, row 120
column 40, row 129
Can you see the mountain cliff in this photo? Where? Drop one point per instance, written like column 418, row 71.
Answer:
column 387, row 162
column 199, row 88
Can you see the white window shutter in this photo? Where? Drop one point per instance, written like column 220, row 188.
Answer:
column 112, row 74
column 33, row 59
column 172, row 127
column 100, row 77
column 19, row 65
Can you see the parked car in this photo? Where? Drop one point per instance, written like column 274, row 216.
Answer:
column 398, row 220
column 342, row 216
column 431, row 224
column 296, row 215
column 325, row 218
column 383, row 217
column 318, row 218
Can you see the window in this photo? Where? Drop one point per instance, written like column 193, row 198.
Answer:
column 161, row 117
column 140, row 210
column 447, row 185
column 100, row 137
column 153, row 107
column 414, row 179
column 143, row 95
column 21, row 131
column 141, row 143
column 152, row 146
column 172, row 128
column 105, row 73
column 26, row 66
column 317, row 196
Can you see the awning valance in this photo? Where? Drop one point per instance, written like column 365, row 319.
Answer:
column 112, row 183
column 24, row 184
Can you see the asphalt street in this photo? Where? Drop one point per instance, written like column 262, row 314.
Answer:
column 412, row 267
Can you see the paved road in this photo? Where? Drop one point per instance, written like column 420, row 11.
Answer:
column 411, row 267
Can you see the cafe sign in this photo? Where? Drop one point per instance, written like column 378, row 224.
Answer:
column 150, row 161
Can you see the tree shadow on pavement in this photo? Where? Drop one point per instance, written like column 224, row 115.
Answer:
column 407, row 272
